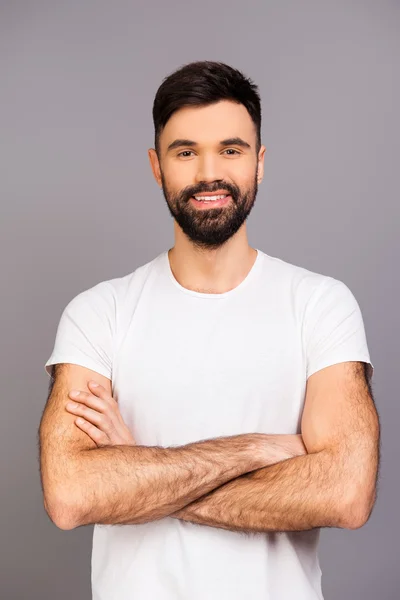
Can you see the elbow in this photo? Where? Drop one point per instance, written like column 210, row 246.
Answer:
column 357, row 511
column 65, row 524
column 353, row 520
column 62, row 510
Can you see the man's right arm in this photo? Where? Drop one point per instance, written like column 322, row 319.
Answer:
column 84, row 484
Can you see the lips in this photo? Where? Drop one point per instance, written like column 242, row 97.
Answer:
column 217, row 193
column 210, row 197
column 211, row 203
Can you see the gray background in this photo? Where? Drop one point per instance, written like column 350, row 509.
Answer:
column 79, row 205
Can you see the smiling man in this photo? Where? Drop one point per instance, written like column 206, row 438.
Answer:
column 210, row 185
column 233, row 416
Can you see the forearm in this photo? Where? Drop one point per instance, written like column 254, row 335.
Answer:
column 136, row 484
column 294, row 495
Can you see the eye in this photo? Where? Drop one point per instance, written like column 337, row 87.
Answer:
column 180, row 153
column 232, row 150
column 189, row 151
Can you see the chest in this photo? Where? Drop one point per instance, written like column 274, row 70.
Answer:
column 209, row 371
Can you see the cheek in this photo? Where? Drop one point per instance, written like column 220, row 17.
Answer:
column 245, row 182
column 178, row 177
column 242, row 173
column 250, row 178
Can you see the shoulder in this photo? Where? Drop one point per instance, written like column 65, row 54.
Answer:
column 301, row 284
column 112, row 292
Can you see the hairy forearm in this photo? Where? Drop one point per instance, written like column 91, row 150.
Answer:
column 297, row 494
column 136, row 484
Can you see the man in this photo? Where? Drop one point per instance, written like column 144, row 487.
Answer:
column 233, row 416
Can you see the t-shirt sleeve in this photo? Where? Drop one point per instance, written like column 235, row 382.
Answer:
column 334, row 328
column 85, row 332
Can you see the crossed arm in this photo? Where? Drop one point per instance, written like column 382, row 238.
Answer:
column 293, row 495
column 218, row 483
column 334, row 485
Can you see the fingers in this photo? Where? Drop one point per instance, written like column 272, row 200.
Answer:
column 94, row 410
column 93, row 416
column 98, row 436
column 98, row 404
column 100, row 391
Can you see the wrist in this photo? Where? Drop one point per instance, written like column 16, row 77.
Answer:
column 274, row 448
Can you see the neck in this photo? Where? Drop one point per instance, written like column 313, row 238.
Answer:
column 212, row 271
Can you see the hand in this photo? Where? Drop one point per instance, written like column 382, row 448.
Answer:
column 99, row 417
column 273, row 448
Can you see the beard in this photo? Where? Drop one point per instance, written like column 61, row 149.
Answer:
column 210, row 228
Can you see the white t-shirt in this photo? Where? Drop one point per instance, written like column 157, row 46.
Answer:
column 187, row 366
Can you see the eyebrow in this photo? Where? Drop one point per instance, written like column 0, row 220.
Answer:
column 234, row 141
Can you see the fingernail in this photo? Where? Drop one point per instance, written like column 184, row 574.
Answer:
column 74, row 393
column 94, row 384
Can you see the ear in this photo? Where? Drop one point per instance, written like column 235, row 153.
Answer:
column 155, row 166
column 260, row 164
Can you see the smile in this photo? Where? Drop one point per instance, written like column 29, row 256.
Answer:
column 211, row 200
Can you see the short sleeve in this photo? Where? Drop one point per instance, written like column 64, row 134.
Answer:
column 85, row 332
column 334, row 328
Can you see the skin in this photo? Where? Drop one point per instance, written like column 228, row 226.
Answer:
column 99, row 417
column 330, row 479
column 211, row 253
column 211, row 250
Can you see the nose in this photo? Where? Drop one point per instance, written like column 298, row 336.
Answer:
column 208, row 170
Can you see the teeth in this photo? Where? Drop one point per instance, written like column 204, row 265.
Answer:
column 210, row 198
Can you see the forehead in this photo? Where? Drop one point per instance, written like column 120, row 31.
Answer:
column 210, row 124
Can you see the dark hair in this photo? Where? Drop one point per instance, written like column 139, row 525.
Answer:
column 202, row 83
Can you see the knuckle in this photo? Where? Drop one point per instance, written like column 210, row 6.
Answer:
column 102, row 405
column 98, row 402
column 103, row 422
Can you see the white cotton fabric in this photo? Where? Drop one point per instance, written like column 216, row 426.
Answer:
column 187, row 366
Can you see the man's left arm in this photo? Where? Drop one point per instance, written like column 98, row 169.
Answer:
column 334, row 485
